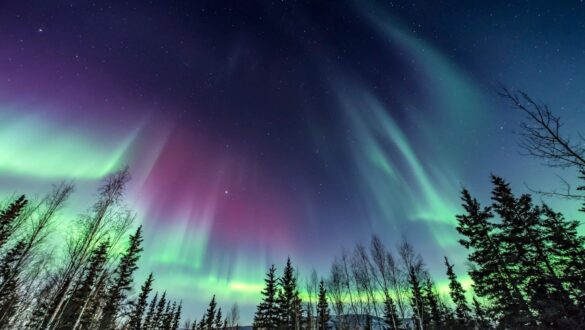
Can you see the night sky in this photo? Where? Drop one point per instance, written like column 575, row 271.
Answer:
column 260, row 130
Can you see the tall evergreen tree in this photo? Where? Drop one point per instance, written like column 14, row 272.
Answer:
column 419, row 308
column 8, row 216
column 122, row 280
column 431, row 302
column 9, row 299
column 288, row 299
column 148, row 319
column 88, row 317
column 322, row 308
column 568, row 250
column 525, row 248
column 139, row 306
column 209, row 319
column 159, row 314
column 480, row 316
column 266, row 316
column 491, row 271
column 177, row 317
column 218, row 319
column 81, row 293
column 167, row 319
column 390, row 315
column 457, row 293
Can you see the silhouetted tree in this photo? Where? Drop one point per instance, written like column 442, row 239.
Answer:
column 288, row 298
column 491, row 271
column 158, row 317
column 150, row 314
column 457, row 293
column 139, row 306
column 414, row 269
column 9, row 300
column 431, row 303
column 209, row 319
column 218, row 319
column 267, row 316
column 81, row 292
column 322, row 308
column 8, row 216
column 480, row 316
column 177, row 317
column 122, row 280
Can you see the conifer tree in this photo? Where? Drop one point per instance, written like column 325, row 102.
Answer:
column 419, row 309
column 457, row 294
column 177, row 316
column 148, row 319
column 525, row 248
column 481, row 320
column 9, row 299
column 493, row 278
column 202, row 324
column 431, row 301
column 81, row 293
column 167, row 319
column 122, row 280
column 322, row 308
column 139, row 306
column 8, row 216
column 209, row 318
column 95, row 302
column 288, row 299
column 158, row 317
column 218, row 319
column 266, row 316
column 390, row 316
column 568, row 250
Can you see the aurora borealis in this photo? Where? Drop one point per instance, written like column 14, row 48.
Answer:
column 264, row 130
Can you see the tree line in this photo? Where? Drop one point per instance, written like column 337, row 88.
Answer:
column 84, row 283
column 525, row 259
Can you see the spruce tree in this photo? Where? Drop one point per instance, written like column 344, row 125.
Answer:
column 431, row 301
column 148, row 319
column 322, row 308
column 177, row 317
column 525, row 248
column 480, row 316
column 10, row 279
column 288, row 299
column 266, row 316
column 568, row 250
column 94, row 304
column 82, row 292
column 419, row 309
column 167, row 319
column 209, row 318
column 218, row 319
column 457, row 294
column 8, row 216
column 491, row 270
column 122, row 280
column 159, row 314
column 390, row 316
column 139, row 306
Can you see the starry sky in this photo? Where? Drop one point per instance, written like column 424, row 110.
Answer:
column 259, row 130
